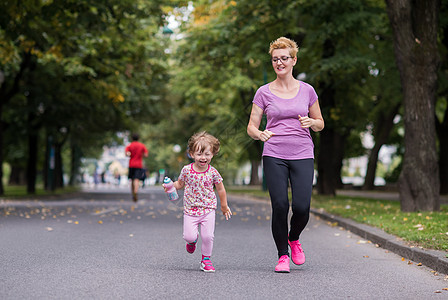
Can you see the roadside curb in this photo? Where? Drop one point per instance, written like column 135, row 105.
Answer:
column 433, row 259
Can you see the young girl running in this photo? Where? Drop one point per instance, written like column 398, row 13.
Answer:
column 200, row 201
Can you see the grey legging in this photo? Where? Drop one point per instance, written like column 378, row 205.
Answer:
column 278, row 173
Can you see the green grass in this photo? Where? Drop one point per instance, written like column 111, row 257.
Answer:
column 424, row 229
column 19, row 191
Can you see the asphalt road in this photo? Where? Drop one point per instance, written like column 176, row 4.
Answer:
column 98, row 245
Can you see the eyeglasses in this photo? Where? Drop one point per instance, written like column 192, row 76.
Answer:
column 282, row 58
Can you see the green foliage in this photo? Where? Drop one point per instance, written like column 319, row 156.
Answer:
column 223, row 58
column 85, row 68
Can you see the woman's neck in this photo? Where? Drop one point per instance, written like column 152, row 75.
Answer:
column 285, row 83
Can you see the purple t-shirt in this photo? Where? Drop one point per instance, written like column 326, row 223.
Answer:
column 290, row 141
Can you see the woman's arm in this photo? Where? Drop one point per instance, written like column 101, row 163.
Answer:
column 315, row 121
column 254, row 123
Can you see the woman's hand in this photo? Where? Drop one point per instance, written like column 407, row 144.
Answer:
column 306, row 122
column 265, row 135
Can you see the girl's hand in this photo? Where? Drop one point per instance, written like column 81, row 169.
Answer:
column 306, row 122
column 226, row 212
column 266, row 135
column 164, row 188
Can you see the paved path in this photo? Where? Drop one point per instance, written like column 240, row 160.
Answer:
column 98, row 246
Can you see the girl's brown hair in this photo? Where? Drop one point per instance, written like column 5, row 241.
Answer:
column 201, row 140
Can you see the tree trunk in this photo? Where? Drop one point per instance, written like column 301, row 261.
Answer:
column 329, row 161
column 6, row 94
column 49, row 164
column 2, row 190
column 383, row 127
column 17, row 176
column 58, row 167
column 31, row 171
column 254, row 177
column 414, row 24
column 442, row 129
column 442, row 132
column 74, row 164
column 331, row 148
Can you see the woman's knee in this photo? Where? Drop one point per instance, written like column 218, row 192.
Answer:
column 301, row 210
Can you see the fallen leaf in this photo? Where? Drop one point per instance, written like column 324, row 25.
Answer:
column 419, row 264
column 402, row 259
column 49, row 228
column 100, row 222
column 366, row 256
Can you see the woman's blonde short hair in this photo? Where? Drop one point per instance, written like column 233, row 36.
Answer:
column 201, row 140
column 284, row 43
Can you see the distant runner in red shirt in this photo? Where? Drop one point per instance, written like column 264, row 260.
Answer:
column 136, row 151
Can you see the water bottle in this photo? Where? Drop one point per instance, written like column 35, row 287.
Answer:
column 170, row 189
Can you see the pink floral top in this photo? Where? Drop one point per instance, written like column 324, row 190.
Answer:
column 199, row 195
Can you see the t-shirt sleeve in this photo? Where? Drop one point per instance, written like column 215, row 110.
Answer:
column 217, row 178
column 259, row 99
column 183, row 174
column 313, row 96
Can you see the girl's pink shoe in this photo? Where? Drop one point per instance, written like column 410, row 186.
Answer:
column 191, row 247
column 206, row 264
column 297, row 255
column 283, row 264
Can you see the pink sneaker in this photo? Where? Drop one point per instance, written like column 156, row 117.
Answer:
column 297, row 255
column 191, row 247
column 206, row 264
column 283, row 264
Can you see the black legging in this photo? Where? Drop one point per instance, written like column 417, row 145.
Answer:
column 278, row 173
